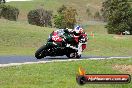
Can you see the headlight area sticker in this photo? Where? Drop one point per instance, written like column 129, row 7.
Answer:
column 83, row 78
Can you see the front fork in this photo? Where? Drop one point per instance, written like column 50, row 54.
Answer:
column 78, row 48
column 79, row 51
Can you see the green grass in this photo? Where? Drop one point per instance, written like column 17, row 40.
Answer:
column 21, row 38
column 104, row 44
column 59, row 74
column 17, row 38
column 80, row 5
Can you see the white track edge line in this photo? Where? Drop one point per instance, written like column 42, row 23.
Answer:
column 24, row 63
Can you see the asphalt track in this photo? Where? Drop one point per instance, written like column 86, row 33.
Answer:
column 19, row 60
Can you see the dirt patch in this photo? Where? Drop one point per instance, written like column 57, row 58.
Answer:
column 123, row 68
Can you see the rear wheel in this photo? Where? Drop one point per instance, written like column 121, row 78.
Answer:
column 39, row 53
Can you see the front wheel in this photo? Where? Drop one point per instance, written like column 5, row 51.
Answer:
column 73, row 55
column 70, row 55
column 78, row 56
column 39, row 53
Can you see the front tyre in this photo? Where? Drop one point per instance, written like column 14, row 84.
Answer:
column 70, row 55
column 39, row 53
column 78, row 56
column 73, row 55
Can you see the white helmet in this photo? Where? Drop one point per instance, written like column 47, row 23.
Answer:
column 78, row 29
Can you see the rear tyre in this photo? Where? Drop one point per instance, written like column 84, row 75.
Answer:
column 39, row 53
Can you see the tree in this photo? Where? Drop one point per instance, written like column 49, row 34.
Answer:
column 59, row 21
column 2, row 1
column 97, row 15
column 61, row 9
column 70, row 17
column 66, row 17
column 117, row 14
column 88, row 12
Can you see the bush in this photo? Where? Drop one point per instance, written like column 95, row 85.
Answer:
column 9, row 12
column 40, row 17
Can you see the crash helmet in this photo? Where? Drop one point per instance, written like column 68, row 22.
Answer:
column 78, row 29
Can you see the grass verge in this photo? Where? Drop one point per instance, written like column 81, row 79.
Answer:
column 59, row 74
column 21, row 38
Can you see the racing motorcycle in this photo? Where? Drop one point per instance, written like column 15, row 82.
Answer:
column 59, row 45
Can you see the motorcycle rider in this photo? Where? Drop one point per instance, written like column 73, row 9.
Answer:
column 70, row 36
column 74, row 34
